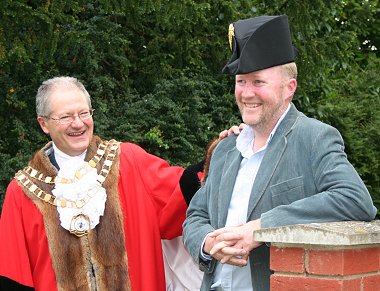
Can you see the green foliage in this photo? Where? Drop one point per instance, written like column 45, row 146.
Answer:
column 353, row 107
column 178, row 119
column 153, row 70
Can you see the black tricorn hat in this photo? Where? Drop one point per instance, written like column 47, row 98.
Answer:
column 259, row 43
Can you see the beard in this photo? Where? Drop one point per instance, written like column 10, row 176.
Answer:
column 265, row 119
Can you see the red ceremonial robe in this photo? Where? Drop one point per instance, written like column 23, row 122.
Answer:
column 153, row 208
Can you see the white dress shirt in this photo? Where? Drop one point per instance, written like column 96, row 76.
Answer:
column 61, row 158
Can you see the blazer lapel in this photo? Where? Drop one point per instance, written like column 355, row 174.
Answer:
column 227, row 182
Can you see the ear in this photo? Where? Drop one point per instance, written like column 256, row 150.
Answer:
column 43, row 124
column 291, row 87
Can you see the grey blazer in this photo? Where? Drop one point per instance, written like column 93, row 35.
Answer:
column 304, row 177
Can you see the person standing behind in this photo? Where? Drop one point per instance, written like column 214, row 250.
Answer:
column 87, row 213
column 284, row 168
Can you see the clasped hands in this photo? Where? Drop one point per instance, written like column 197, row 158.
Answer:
column 233, row 244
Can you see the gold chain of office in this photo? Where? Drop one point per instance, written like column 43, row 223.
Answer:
column 28, row 173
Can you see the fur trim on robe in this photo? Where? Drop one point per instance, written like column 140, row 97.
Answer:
column 97, row 261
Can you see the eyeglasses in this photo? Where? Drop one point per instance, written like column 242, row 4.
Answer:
column 67, row 119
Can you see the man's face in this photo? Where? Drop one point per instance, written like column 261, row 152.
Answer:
column 263, row 96
column 73, row 138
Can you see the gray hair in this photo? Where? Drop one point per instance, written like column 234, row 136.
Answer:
column 47, row 87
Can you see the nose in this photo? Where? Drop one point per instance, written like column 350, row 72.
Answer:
column 248, row 90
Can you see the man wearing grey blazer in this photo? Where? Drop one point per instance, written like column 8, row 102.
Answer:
column 284, row 168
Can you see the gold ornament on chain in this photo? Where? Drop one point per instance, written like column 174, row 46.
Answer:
column 80, row 225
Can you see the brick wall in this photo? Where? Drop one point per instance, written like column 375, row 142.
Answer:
column 326, row 256
column 325, row 269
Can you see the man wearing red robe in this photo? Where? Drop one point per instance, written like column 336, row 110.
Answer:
column 88, row 214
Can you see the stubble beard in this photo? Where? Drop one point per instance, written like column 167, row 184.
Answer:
column 268, row 119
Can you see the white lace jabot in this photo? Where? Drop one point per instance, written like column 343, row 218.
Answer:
column 78, row 189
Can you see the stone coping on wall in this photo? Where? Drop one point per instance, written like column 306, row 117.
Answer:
column 343, row 233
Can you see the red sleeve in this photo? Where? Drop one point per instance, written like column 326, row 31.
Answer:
column 24, row 251
column 14, row 258
column 160, row 182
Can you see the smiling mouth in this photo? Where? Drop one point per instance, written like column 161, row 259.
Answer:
column 76, row 133
column 248, row 105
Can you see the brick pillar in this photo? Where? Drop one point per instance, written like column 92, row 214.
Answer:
column 326, row 256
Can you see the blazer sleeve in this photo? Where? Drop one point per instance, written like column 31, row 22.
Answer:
column 333, row 192
column 197, row 226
